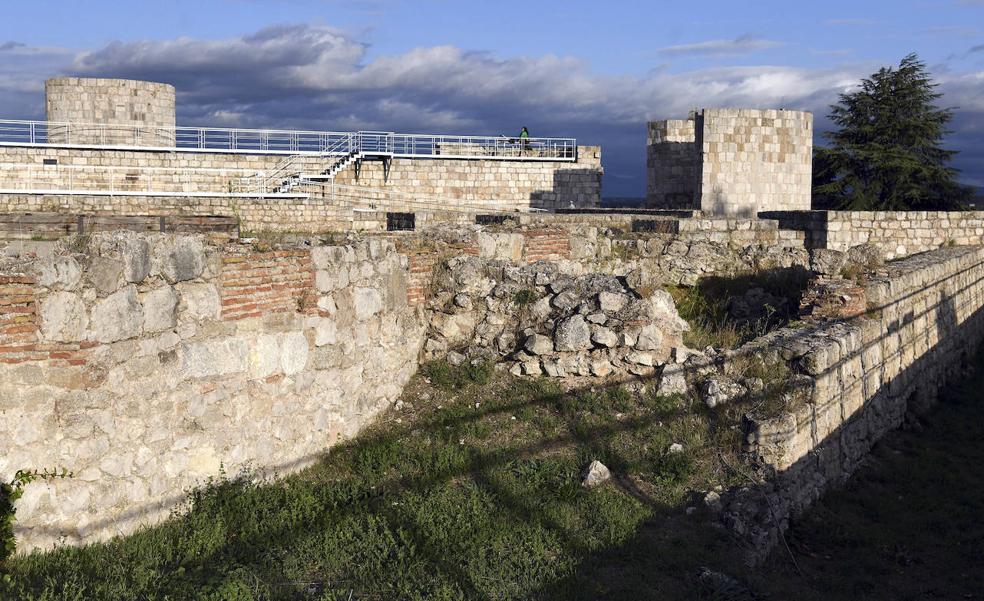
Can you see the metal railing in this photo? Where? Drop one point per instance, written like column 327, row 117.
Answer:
column 17, row 133
column 286, row 173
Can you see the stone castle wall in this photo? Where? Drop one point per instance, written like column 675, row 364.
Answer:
column 857, row 380
column 423, row 183
column 148, row 362
column 144, row 362
column 743, row 161
column 895, row 233
column 86, row 101
column 672, row 164
column 500, row 185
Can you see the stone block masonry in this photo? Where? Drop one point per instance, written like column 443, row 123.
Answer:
column 855, row 380
column 88, row 102
column 502, row 185
column 410, row 185
column 731, row 162
column 895, row 233
column 148, row 361
column 672, row 164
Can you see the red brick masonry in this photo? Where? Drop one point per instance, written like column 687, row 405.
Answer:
column 19, row 339
column 546, row 244
column 269, row 282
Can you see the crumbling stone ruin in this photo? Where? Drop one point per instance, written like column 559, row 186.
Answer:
column 155, row 331
column 544, row 322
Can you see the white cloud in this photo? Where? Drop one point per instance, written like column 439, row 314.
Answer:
column 851, row 22
column 743, row 44
column 320, row 78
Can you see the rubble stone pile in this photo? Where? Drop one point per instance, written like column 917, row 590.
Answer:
column 541, row 321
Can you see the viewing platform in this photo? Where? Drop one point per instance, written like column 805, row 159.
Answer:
column 112, row 147
column 277, row 141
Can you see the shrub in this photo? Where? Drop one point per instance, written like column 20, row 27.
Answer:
column 9, row 493
column 524, row 297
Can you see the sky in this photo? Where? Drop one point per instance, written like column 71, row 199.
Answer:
column 594, row 70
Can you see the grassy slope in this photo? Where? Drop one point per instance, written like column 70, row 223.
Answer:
column 471, row 491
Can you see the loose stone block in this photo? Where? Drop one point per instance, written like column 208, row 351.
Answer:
column 160, row 309
column 117, row 317
column 63, row 317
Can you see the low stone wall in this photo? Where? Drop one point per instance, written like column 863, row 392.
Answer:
column 896, row 233
column 855, row 380
column 303, row 215
column 545, row 322
column 709, row 248
column 148, row 363
column 499, row 184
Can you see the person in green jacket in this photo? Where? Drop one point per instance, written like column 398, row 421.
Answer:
column 524, row 139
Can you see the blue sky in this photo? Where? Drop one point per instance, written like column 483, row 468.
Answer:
column 595, row 70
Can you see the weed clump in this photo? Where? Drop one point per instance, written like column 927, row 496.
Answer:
column 710, row 306
column 524, row 297
column 450, row 378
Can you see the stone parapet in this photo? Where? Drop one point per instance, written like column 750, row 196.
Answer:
column 146, row 364
column 858, row 379
column 895, row 233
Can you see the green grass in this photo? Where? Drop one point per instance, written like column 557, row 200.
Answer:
column 449, row 378
column 705, row 306
column 524, row 297
column 907, row 526
column 472, row 491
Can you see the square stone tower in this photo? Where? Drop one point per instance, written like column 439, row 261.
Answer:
column 731, row 161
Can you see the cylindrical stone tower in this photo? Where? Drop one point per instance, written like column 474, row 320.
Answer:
column 119, row 112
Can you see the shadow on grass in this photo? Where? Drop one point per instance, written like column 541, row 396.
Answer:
column 477, row 497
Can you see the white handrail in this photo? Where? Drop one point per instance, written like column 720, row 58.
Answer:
column 21, row 132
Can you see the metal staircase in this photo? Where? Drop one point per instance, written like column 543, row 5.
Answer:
column 342, row 152
column 325, row 175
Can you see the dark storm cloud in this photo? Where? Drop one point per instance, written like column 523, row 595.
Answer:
column 309, row 77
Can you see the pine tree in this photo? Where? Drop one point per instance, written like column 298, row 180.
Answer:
column 886, row 153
